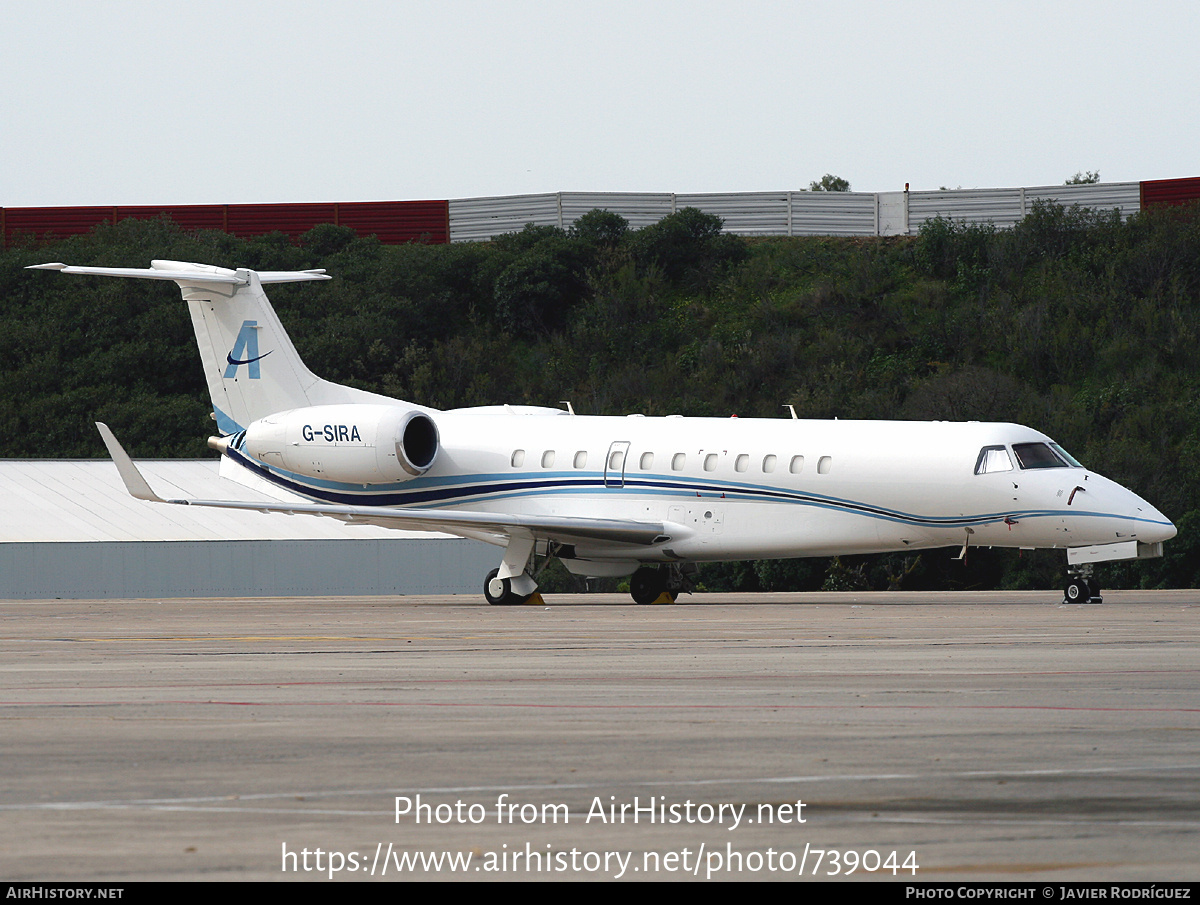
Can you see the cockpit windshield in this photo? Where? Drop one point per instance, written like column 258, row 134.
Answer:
column 1038, row 455
column 1029, row 455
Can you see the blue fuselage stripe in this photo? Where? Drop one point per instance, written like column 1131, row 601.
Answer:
column 424, row 493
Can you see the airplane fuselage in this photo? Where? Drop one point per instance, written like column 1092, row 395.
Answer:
column 730, row 488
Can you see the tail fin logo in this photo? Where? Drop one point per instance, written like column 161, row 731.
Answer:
column 245, row 352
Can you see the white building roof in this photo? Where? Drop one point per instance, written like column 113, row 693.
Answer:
column 68, row 500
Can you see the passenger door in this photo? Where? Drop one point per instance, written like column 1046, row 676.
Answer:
column 614, row 463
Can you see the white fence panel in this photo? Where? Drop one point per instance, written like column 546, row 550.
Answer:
column 1003, row 207
column 480, row 219
column 639, row 208
column 834, row 214
column 1124, row 196
column 893, row 213
column 744, row 213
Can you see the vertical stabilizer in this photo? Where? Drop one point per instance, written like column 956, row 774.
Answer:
column 250, row 364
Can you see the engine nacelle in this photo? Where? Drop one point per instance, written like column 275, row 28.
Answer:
column 351, row 444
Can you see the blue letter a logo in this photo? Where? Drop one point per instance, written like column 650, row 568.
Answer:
column 245, row 352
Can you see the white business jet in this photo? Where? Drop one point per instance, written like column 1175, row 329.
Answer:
column 617, row 496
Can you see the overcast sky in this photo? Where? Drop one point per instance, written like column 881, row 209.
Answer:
column 128, row 102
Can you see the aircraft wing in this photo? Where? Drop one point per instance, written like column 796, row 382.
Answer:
column 466, row 522
column 564, row 529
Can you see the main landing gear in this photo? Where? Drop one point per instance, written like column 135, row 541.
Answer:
column 647, row 585
column 518, row 585
column 1081, row 586
column 661, row 585
column 499, row 591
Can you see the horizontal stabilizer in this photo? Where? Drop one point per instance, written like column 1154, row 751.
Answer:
column 186, row 275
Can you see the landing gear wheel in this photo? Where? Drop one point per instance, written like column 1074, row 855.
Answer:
column 647, row 585
column 498, row 591
column 1079, row 590
column 1082, row 587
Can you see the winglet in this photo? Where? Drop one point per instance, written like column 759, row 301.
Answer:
column 134, row 482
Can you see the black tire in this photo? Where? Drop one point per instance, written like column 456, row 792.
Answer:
column 646, row 585
column 505, row 598
column 1077, row 591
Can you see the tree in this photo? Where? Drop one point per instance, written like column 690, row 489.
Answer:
column 1088, row 178
column 600, row 227
column 688, row 246
column 829, row 183
column 534, row 292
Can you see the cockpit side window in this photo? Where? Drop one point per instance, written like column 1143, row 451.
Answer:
column 1063, row 454
column 1037, row 455
column 993, row 458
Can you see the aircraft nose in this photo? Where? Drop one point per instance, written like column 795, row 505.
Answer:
column 1153, row 526
column 1158, row 530
column 1140, row 518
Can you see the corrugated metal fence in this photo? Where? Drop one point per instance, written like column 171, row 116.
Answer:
column 1170, row 191
column 784, row 213
column 394, row 222
column 1004, row 207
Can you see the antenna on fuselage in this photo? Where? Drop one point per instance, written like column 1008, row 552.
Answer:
column 567, row 403
column 791, row 408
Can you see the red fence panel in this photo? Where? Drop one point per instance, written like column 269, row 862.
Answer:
column 1170, row 191
column 394, row 222
column 293, row 219
column 189, row 216
column 54, row 222
column 397, row 222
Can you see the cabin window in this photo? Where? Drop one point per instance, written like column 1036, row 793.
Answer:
column 741, row 463
column 678, row 461
column 797, row 465
column 1037, row 455
column 824, row 464
column 518, row 458
column 768, row 464
column 548, row 459
column 993, row 458
column 647, row 461
column 616, row 460
column 710, row 462
column 581, row 459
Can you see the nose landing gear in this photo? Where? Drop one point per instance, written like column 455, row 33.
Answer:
column 1081, row 586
